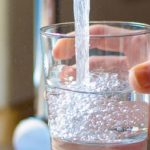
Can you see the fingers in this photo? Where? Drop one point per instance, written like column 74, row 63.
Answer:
column 68, row 73
column 98, row 63
column 139, row 77
column 109, row 63
column 109, row 44
column 65, row 48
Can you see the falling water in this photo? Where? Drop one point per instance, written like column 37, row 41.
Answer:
column 81, row 17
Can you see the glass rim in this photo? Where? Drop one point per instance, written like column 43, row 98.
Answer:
column 86, row 92
column 145, row 30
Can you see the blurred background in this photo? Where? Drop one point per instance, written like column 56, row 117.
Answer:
column 21, row 86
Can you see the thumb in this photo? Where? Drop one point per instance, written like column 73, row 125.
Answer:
column 139, row 77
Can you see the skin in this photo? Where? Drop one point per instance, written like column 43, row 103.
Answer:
column 139, row 74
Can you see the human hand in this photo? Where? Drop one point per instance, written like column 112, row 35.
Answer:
column 139, row 74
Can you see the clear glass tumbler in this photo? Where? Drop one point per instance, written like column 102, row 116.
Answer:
column 105, row 113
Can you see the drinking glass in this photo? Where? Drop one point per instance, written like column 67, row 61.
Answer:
column 105, row 112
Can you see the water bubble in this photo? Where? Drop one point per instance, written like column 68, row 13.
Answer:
column 142, row 125
column 109, row 104
column 125, row 110
column 121, row 103
column 89, row 117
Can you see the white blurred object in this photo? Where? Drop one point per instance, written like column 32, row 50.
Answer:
column 31, row 134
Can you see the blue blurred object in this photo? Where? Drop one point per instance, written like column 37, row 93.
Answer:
column 31, row 134
column 38, row 76
column 37, row 46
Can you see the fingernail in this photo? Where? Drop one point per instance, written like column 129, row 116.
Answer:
column 141, row 75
